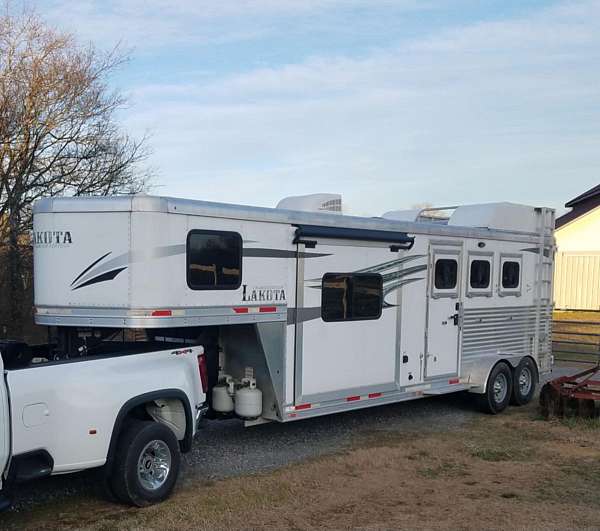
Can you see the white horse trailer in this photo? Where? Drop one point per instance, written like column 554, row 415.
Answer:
column 309, row 312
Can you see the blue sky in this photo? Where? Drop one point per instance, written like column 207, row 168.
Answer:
column 391, row 103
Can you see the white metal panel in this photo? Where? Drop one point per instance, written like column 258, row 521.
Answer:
column 66, row 245
column 577, row 281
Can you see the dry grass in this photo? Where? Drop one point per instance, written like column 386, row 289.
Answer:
column 508, row 471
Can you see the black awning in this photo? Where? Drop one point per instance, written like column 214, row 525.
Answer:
column 399, row 239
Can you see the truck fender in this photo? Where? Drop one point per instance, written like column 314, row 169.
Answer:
column 151, row 397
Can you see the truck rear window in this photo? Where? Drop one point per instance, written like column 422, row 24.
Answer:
column 214, row 260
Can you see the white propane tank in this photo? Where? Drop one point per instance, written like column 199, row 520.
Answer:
column 222, row 395
column 248, row 400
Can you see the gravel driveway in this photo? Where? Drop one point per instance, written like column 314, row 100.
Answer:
column 225, row 448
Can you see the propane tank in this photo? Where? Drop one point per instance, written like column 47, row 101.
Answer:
column 222, row 395
column 248, row 400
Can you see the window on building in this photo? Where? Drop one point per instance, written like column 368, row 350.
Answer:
column 446, row 271
column 511, row 272
column 214, row 260
column 480, row 274
column 351, row 296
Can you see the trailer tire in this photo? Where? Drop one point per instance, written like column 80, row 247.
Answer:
column 146, row 464
column 498, row 390
column 524, row 382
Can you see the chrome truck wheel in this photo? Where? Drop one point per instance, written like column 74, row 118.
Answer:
column 154, row 465
column 146, row 464
column 498, row 390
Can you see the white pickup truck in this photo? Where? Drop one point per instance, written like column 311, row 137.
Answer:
column 129, row 407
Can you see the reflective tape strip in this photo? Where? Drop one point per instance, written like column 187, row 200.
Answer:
column 375, row 395
column 352, row 398
column 453, row 381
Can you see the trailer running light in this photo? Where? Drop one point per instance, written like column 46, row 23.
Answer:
column 161, row 313
column 302, row 406
column 453, row 381
column 375, row 395
column 255, row 309
column 203, row 372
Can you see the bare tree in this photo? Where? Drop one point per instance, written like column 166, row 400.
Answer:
column 58, row 134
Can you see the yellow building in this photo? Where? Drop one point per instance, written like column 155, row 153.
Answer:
column 577, row 269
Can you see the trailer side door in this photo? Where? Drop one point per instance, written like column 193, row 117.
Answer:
column 444, row 311
column 345, row 329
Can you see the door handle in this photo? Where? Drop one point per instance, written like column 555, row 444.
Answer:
column 454, row 318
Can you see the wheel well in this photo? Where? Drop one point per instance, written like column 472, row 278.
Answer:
column 135, row 408
column 535, row 366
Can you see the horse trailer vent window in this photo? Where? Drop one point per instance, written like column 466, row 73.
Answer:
column 214, row 260
column 480, row 274
column 446, row 272
column 510, row 275
column 351, row 296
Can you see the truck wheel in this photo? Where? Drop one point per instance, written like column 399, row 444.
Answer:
column 146, row 464
column 498, row 390
column 524, row 383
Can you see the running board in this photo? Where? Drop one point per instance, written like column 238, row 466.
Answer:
column 447, row 389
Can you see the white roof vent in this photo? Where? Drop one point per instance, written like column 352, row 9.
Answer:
column 313, row 203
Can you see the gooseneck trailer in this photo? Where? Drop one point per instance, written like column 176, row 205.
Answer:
column 161, row 310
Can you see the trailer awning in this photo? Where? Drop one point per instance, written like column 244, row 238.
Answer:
column 307, row 233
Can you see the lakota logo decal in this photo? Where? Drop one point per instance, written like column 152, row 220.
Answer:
column 51, row 238
column 262, row 293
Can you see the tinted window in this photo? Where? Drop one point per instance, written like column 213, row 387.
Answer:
column 445, row 273
column 214, row 260
column 480, row 274
column 510, row 275
column 350, row 297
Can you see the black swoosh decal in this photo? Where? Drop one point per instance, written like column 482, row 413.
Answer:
column 109, row 275
column 256, row 252
column 90, row 267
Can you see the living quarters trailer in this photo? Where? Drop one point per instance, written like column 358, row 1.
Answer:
column 306, row 312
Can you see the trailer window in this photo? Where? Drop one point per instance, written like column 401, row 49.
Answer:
column 480, row 274
column 446, row 271
column 351, row 296
column 511, row 272
column 214, row 260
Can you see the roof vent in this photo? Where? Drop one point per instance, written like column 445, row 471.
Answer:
column 313, row 203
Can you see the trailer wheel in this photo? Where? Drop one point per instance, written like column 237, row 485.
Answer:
column 146, row 464
column 524, row 383
column 498, row 390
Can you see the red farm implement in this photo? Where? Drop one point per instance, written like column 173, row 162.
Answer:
column 574, row 395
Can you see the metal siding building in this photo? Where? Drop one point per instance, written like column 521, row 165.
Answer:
column 577, row 266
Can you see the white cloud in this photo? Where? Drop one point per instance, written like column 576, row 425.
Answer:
column 498, row 110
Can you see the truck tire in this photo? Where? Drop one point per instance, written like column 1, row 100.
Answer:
column 146, row 464
column 498, row 390
column 524, row 382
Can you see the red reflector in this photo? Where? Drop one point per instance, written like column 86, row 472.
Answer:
column 161, row 313
column 454, row 381
column 302, row 406
column 352, row 398
column 203, row 372
column 374, row 395
column 240, row 310
column 92, row 432
column 267, row 309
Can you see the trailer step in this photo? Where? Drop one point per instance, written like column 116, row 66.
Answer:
column 447, row 389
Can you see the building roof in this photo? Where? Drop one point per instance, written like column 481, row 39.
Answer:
column 580, row 205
